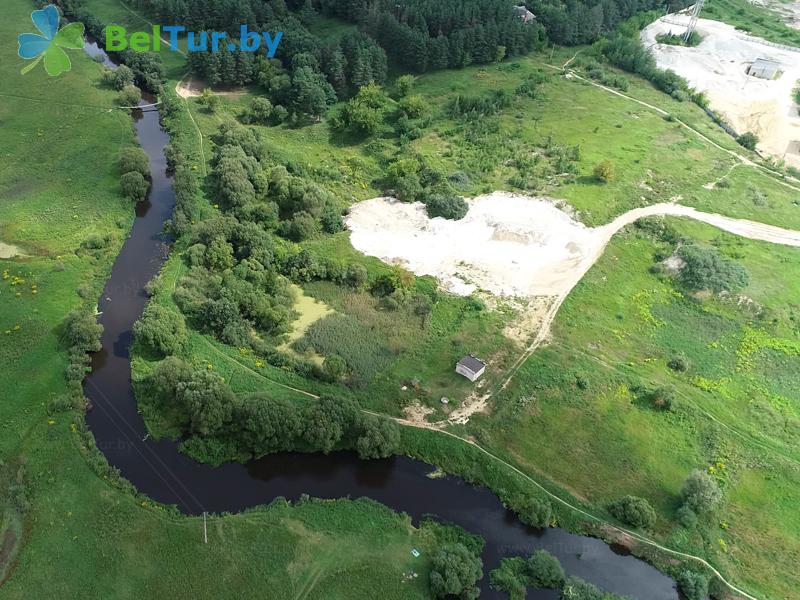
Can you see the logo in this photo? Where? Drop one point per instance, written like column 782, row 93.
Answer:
column 118, row 39
column 49, row 44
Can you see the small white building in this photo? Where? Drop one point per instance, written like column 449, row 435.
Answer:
column 523, row 13
column 470, row 367
column 764, row 68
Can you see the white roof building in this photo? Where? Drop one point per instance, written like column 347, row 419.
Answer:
column 470, row 367
column 764, row 68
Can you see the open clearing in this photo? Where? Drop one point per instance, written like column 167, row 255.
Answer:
column 509, row 245
column 8, row 250
column 718, row 67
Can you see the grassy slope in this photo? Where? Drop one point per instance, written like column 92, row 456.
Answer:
column 81, row 537
column 617, row 330
column 754, row 18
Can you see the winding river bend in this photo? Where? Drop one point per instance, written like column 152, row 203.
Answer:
column 159, row 470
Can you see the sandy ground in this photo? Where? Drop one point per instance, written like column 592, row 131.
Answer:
column 9, row 251
column 718, row 67
column 191, row 87
column 508, row 245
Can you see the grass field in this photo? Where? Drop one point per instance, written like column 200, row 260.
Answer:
column 759, row 19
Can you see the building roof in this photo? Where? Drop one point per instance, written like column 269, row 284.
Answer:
column 472, row 363
column 766, row 62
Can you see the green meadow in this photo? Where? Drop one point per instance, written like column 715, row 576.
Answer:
column 65, row 529
column 574, row 416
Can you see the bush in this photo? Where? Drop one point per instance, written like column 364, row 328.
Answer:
column 633, row 511
column 679, row 364
column 509, row 578
column 134, row 159
column 447, row 206
column 748, row 140
column 130, row 95
column 163, row 331
column 544, row 570
column 701, row 492
column 533, row 511
column 694, row 586
column 380, row 438
column 82, row 331
column 687, row 517
column 604, row 171
column 455, row 571
column 707, row 269
column 118, row 78
column 134, row 186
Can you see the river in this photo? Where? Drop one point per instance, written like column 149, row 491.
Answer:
column 159, row 470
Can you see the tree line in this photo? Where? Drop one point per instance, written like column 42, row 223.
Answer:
column 220, row 425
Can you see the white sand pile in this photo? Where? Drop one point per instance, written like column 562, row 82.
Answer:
column 718, row 67
column 508, row 245
column 8, row 251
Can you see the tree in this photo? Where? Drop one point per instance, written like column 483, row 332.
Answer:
column 302, row 227
column 633, row 511
column 327, row 421
column 701, row 492
column 707, row 269
column 82, row 331
column 210, row 100
column 403, row 85
column 219, row 255
column 267, row 424
column 448, row 206
column 455, row 571
column 694, row 586
column 208, row 402
column 135, row 159
column 165, row 379
column 259, row 112
column 134, row 186
column 510, row 578
column 533, row 511
column 748, row 140
column 544, row 570
column 604, row 171
column 130, row 95
column 118, row 78
column 161, row 329
column 380, row 438
column 356, row 276
column 335, row 367
column 578, row 589
column 311, row 93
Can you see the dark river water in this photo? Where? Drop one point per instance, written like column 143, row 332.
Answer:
column 159, row 470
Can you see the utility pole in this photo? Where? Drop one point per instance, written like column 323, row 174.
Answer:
column 693, row 21
column 205, row 529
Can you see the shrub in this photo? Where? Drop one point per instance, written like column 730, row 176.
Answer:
column 604, row 171
column 448, row 206
column 694, row 586
column 544, row 570
column 130, row 95
column 118, row 78
column 135, row 159
column 82, row 331
column 748, row 140
column 162, row 330
column 509, row 578
column 687, row 517
column 701, row 492
column 707, row 269
column 534, row 512
column 633, row 511
column 380, row 438
column 455, row 571
column 134, row 186
column 679, row 364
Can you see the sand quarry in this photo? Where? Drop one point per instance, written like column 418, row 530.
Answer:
column 718, row 67
column 509, row 245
